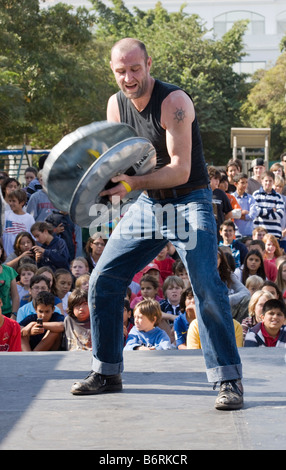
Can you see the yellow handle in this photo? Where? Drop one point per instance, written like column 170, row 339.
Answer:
column 93, row 153
column 126, row 186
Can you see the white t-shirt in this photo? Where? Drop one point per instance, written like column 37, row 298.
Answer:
column 14, row 224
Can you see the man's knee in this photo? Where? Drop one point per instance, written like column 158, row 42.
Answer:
column 105, row 284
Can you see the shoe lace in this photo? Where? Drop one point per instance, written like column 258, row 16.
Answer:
column 89, row 374
column 229, row 386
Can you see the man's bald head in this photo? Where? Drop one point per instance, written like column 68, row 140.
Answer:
column 127, row 44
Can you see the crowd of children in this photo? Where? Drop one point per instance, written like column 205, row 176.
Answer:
column 45, row 269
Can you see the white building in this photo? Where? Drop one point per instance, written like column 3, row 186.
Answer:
column 267, row 23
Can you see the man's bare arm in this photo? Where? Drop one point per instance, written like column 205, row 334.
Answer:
column 113, row 110
column 176, row 117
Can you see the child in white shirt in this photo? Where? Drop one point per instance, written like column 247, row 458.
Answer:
column 16, row 219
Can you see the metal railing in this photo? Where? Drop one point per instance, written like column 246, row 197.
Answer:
column 15, row 161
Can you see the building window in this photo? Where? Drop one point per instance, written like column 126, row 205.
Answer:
column 248, row 67
column 224, row 22
column 281, row 23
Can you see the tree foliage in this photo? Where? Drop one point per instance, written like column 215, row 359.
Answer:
column 51, row 78
column 266, row 105
column 183, row 55
column 55, row 74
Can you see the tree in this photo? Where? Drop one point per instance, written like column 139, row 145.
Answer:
column 12, row 98
column 55, row 74
column 266, row 104
column 184, row 56
column 51, row 72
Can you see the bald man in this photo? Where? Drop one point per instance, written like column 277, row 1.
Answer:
column 177, row 207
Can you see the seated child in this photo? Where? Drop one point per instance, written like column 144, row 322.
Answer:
column 149, row 290
column 22, row 249
column 270, row 286
column 10, row 333
column 8, row 287
column 238, row 249
column 255, row 307
column 82, row 282
column 253, row 265
column 146, row 334
column 127, row 319
column 164, row 263
column 16, row 220
column 180, row 270
column 49, row 273
column 271, row 331
column 77, row 322
column 151, row 269
column 26, row 272
column 79, row 266
column 38, row 283
column 254, row 283
column 43, row 330
column 50, row 250
column 238, row 294
column 63, row 286
column 182, row 322
column 193, row 336
column 172, row 289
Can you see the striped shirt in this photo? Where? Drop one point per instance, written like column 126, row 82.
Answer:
column 267, row 217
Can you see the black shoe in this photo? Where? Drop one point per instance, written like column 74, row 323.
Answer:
column 230, row 395
column 96, row 383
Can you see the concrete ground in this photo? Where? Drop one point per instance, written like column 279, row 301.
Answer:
column 166, row 404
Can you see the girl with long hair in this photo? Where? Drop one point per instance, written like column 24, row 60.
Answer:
column 272, row 247
column 253, row 265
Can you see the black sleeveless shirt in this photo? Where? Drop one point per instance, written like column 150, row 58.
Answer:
column 147, row 124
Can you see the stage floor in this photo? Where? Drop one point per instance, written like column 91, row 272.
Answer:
column 166, row 404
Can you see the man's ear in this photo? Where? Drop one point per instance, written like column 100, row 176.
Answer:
column 149, row 63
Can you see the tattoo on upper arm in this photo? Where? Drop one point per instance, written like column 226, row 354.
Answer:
column 179, row 115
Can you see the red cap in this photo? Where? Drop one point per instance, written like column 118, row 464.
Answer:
column 150, row 266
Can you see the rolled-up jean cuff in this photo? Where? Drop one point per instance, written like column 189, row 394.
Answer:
column 220, row 374
column 106, row 368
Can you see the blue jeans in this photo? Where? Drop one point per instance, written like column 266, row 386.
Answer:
column 187, row 222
